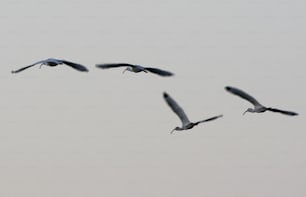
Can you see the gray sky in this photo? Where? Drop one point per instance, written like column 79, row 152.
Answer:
column 65, row 133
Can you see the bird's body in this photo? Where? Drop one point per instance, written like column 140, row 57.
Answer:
column 186, row 123
column 188, row 126
column 135, row 68
column 258, row 108
column 54, row 62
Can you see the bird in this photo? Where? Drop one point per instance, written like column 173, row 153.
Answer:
column 54, row 62
column 258, row 108
column 136, row 68
column 186, row 124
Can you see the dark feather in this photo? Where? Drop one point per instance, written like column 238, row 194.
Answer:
column 176, row 109
column 159, row 72
column 113, row 65
column 289, row 113
column 76, row 66
column 21, row 69
column 209, row 119
column 243, row 95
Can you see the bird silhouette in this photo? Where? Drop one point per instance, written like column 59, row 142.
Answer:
column 136, row 68
column 258, row 108
column 186, row 124
column 54, row 62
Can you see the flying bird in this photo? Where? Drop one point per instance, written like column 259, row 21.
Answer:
column 258, row 108
column 136, row 68
column 54, row 62
column 186, row 124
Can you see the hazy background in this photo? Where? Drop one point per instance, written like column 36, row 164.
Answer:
column 66, row 133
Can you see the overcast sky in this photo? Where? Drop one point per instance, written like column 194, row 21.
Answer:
column 104, row 133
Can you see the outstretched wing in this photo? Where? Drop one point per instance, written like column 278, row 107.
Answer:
column 160, row 72
column 243, row 95
column 26, row 67
column 289, row 113
column 113, row 65
column 176, row 109
column 76, row 66
column 209, row 119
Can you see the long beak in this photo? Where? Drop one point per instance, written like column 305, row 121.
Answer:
column 172, row 131
column 245, row 112
column 124, row 71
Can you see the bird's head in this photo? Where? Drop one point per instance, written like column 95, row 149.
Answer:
column 248, row 110
column 127, row 69
column 176, row 129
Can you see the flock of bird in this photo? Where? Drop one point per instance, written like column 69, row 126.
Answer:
column 186, row 123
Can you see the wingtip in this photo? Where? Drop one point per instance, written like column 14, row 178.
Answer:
column 294, row 114
column 165, row 94
column 166, row 75
column 228, row 88
column 171, row 75
column 84, row 70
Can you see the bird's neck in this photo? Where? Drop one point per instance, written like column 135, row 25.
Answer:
column 251, row 110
